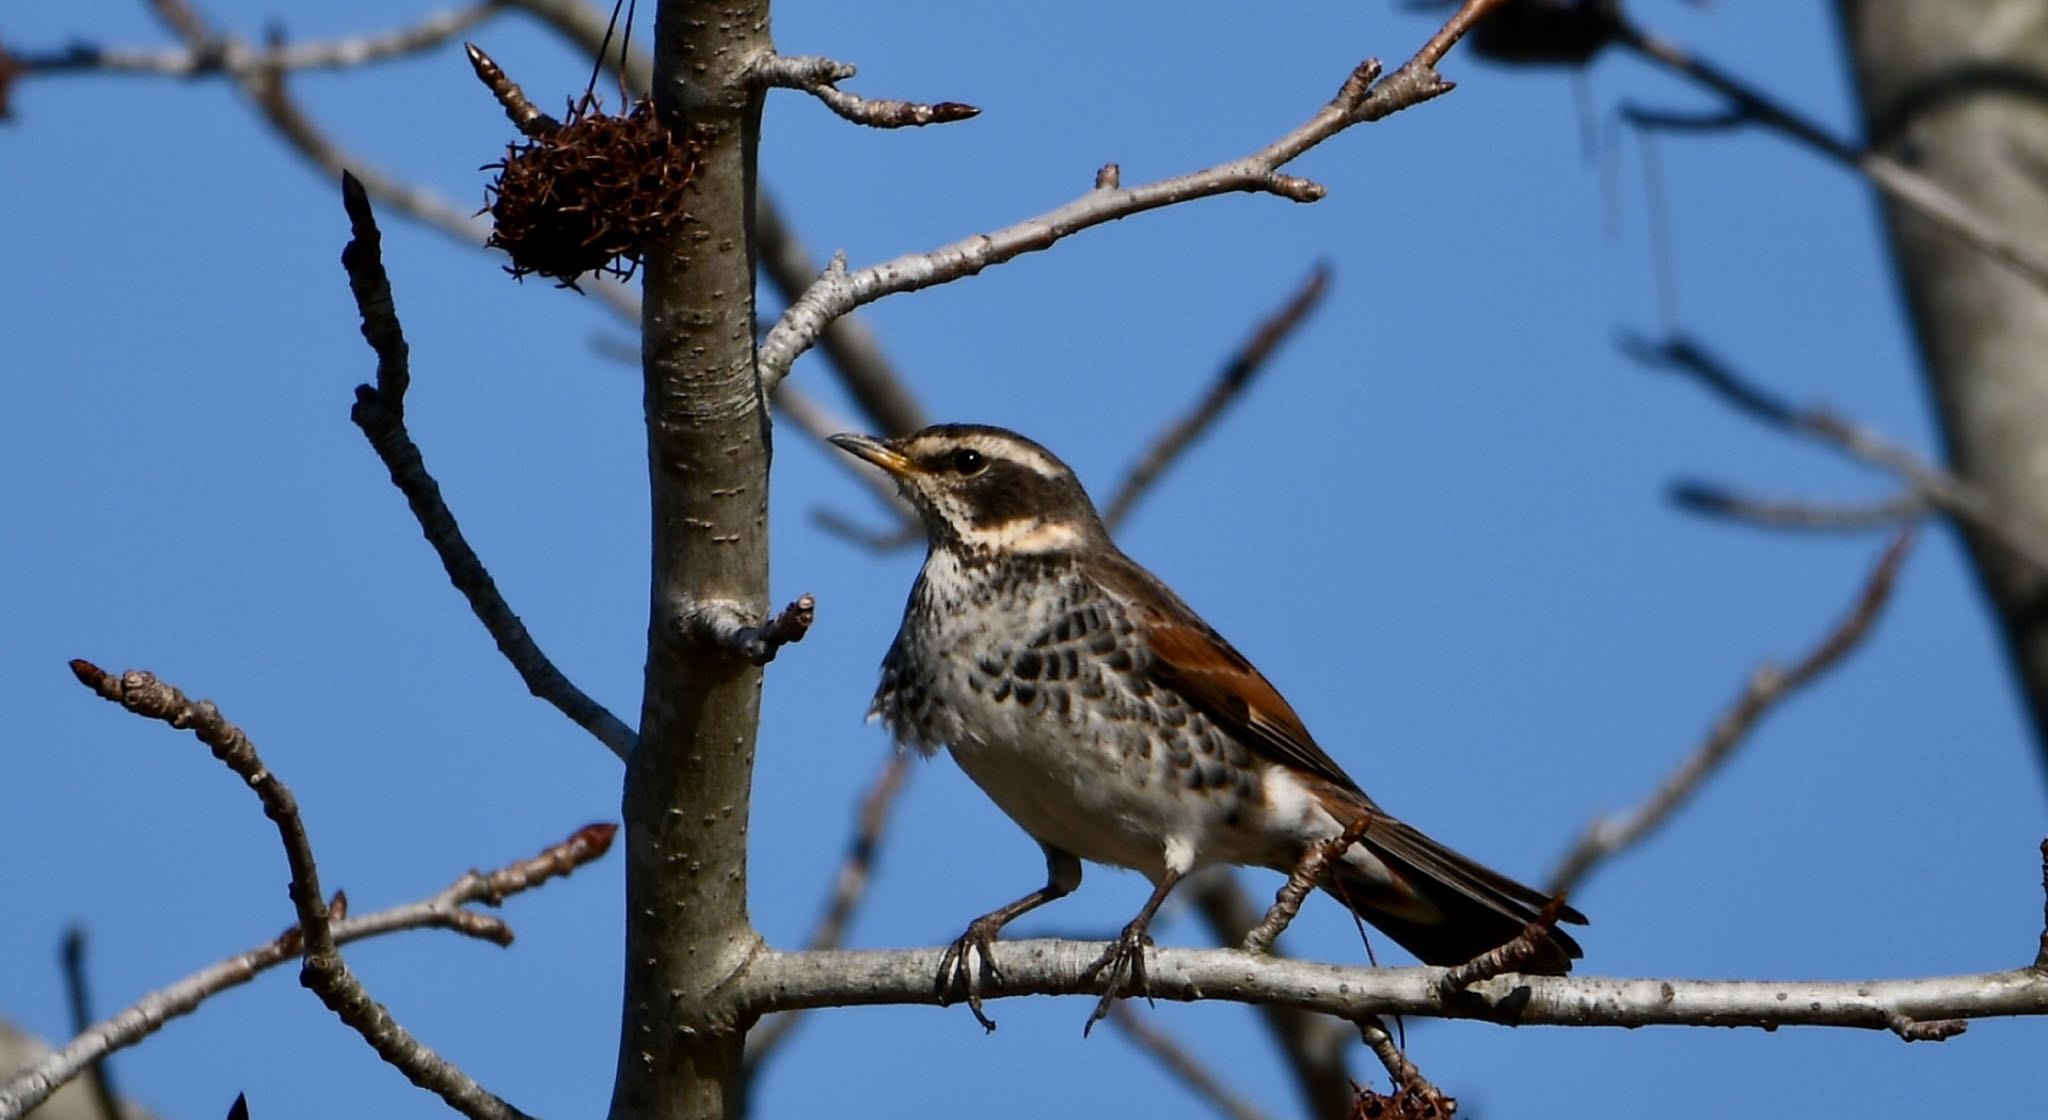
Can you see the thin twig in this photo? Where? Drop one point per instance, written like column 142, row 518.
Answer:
column 1712, row 500
column 1306, row 876
column 1194, row 1074
column 819, row 77
column 1509, row 957
column 1941, row 489
column 1767, row 687
column 214, row 55
column 519, row 109
column 849, row 889
column 1315, row 1047
column 380, row 413
column 1230, row 383
column 323, row 970
column 446, row 909
column 98, row 1077
column 1406, row 1078
column 818, row 422
column 1363, row 97
column 1932, row 201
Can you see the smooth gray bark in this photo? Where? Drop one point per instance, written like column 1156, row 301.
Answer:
column 1958, row 90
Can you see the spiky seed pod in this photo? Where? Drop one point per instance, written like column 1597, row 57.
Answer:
column 591, row 195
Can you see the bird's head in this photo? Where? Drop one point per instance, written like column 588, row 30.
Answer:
column 985, row 490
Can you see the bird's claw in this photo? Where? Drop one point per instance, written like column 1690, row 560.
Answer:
column 1124, row 962
column 958, row 971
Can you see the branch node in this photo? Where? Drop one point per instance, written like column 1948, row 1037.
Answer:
column 1930, row 1030
column 729, row 627
column 1293, row 187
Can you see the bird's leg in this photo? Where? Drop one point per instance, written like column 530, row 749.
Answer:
column 957, row 968
column 1125, row 958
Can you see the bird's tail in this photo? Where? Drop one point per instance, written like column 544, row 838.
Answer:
column 1441, row 906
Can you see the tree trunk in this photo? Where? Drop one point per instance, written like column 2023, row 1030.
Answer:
column 1958, row 89
column 688, row 784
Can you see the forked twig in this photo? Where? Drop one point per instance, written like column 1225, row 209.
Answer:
column 1363, row 97
column 447, row 909
column 1940, row 489
column 380, row 413
column 1767, row 687
column 323, row 970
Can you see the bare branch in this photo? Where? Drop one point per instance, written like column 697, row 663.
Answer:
column 1193, row 1074
column 849, row 347
column 26, row 1088
column 98, row 1078
column 1941, row 489
column 1711, row 500
column 1427, row 1099
column 1510, row 957
column 849, row 889
column 234, row 57
column 1305, row 877
column 323, row 971
column 1360, row 99
column 783, row 981
column 1314, row 1047
column 1230, row 383
column 731, row 628
column 1895, row 180
column 380, row 413
column 1768, row 686
column 819, row 77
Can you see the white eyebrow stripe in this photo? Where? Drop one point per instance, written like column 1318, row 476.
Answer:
column 1025, row 535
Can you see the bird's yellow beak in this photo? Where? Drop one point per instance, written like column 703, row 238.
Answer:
column 874, row 451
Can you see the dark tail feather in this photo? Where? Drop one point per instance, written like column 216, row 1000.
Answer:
column 1453, row 909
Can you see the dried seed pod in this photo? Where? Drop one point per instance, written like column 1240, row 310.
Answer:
column 591, row 195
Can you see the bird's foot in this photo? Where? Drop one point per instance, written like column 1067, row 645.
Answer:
column 1124, row 963
column 966, row 963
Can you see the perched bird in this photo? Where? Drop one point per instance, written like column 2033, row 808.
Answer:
column 1110, row 722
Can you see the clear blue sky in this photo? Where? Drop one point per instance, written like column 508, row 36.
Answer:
column 1437, row 525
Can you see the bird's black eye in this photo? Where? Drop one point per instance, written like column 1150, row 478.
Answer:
column 967, row 461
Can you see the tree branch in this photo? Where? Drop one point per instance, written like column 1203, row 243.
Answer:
column 447, row 909
column 98, row 1077
column 1941, row 489
column 784, row 981
column 1230, row 383
column 819, row 77
column 1712, row 500
column 1361, row 99
column 1939, row 205
column 849, row 889
column 1194, row 1074
column 1768, row 686
column 213, row 55
column 323, row 971
column 380, row 413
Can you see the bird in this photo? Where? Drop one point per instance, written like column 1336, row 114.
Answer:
column 1112, row 724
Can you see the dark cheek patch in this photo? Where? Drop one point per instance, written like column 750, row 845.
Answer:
column 1007, row 492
